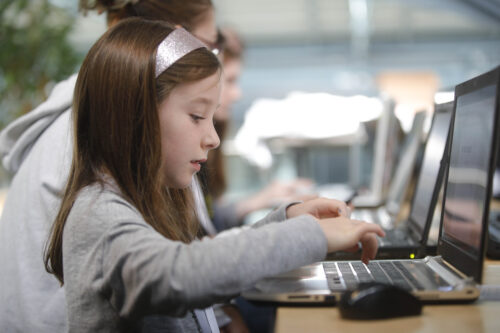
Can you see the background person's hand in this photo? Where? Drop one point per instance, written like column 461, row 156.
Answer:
column 279, row 192
column 344, row 234
column 275, row 194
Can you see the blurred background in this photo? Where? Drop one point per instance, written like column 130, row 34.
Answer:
column 398, row 50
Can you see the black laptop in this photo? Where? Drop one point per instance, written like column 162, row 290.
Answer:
column 454, row 275
column 409, row 239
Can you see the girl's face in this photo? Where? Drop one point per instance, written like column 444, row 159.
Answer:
column 187, row 129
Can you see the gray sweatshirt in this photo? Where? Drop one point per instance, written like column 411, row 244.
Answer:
column 36, row 149
column 119, row 271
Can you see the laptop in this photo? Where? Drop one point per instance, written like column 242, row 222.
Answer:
column 455, row 273
column 384, row 148
column 386, row 214
column 409, row 239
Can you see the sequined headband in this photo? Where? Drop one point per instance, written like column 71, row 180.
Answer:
column 176, row 45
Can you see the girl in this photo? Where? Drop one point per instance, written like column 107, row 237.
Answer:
column 123, row 242
column 36, row 149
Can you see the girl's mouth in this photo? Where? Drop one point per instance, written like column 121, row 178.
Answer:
column 197, row 164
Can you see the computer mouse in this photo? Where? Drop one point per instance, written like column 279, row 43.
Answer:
column 378, row 301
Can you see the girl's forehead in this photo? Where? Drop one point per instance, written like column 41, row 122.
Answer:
column 198, row 89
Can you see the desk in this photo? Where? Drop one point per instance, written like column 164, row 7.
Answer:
column 481, row 316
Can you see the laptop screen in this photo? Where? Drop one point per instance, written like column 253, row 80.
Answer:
column 406, row 165
column 431, row 161
column 467, row 186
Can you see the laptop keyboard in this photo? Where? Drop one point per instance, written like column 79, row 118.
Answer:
column 394, row 237
column 363, row 215
column 378, row 216
column 384, row 218
column 347, row 275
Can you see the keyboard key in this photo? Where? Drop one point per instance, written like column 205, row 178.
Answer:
column 396, row 277
column 377, row 273
column 347, row 275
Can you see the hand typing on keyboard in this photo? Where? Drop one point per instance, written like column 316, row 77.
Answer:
column 342, row 233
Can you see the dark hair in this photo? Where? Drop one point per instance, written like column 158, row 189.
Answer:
column 233, row 44
column 184, row 12
column 213, row 176
column 117, row 133
column 213, row 173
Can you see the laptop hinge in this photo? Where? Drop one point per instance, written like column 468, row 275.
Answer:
column 453, row 276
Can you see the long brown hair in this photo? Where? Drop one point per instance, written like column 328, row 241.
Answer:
column 184, row 12
column 116, row 128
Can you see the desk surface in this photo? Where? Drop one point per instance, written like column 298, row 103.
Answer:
column 481, row 316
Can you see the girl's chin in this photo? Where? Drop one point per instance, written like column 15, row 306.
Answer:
column 180, row 184
column 187, row 182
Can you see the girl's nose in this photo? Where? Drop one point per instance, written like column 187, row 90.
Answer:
column 211, row 140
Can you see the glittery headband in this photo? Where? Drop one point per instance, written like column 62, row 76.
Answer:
column 176, row 45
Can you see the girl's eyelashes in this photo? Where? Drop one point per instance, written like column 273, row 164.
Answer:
column 196, row 118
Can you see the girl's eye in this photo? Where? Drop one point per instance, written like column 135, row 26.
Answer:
column 196, row 118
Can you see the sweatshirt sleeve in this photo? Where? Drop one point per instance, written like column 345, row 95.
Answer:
column 276, row 215
column 225, row 216
column 141, row 272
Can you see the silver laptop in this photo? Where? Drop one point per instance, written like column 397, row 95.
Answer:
column 386, row 215
column 384, row 149
column 456, row 272
column 409, row 239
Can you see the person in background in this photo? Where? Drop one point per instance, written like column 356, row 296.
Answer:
column 36, row 149
column 124, row 242
column 225, row 214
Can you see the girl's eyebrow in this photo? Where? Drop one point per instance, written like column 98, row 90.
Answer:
column 201, row 100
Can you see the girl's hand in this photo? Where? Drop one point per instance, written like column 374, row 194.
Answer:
column 344, row 234
column 320, row 208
